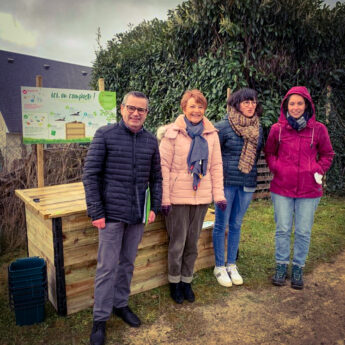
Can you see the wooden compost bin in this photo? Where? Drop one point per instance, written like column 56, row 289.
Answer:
column 59, row 230
column 75, row 130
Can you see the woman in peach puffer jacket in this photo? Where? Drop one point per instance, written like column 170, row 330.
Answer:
column 192, row 178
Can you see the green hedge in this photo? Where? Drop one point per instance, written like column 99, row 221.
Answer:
column 267, row 45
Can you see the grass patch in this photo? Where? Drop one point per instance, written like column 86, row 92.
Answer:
column 256, row 264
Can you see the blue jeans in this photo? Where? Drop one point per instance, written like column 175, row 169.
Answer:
column 238, row 202
column 301, row 211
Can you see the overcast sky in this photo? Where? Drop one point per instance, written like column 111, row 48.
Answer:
column 65, row 30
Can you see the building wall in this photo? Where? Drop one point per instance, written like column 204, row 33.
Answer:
column 3, row 130
column 11, row 148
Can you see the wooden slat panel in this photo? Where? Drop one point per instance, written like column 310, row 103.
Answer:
column 80, row 301
column 76, row 222
column 80, row 287
column 262, row 195
column 80, row 272
column 79, row 238
column 265, row 178
column 149, row 284
column 51, row 273
column 151, row 254
column 262, row 170
column 151, row 238
column 56, row 201
column 262, row 186
column 84, row 253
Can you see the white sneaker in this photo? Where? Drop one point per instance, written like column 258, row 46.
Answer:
column 234, row 275
column 222, row 276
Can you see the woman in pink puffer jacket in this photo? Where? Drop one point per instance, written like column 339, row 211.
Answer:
column 192, row 177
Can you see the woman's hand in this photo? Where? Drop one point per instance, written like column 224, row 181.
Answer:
column 166, row 210
column 222, row 205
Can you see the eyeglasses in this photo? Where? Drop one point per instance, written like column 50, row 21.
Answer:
column 248, row 103
column 131, row 109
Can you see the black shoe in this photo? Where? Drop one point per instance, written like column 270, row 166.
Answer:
column 126, row 314
column 176, row 292
column 280, row 276
column 188, row 292
column 297, row 277
column 97, row 336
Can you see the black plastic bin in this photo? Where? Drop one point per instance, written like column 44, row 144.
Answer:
column 27, row 287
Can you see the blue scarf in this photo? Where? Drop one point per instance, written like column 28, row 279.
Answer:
column 198, row 152
column 300, row 123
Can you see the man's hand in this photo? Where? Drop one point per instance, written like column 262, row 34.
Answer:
column 152, row 217
column 99, row 223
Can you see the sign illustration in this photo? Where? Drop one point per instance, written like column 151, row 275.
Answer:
column 63, row 115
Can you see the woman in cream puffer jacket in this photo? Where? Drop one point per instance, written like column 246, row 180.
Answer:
column 192, row 178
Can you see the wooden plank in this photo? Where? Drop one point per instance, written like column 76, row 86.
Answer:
column 147, row 255
column 262, row 195
column 210, row 215
column 51, row 273
column 76, row 222
column 204, row 262
column 84, row 253
column 153, row 238
column 56, row 201
column 80, row 272
column 39, row 233
column 262, row 170
column 150, row 270
column 50, row 190
column 37, row 222
column 80, row 287
column 149, row 284
column 265, row 178
column 80, row 237
column 156, row 225
column 262, row 186
column 80, row 302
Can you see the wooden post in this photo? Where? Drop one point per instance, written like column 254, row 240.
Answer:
column 228, row 93
column 101, row 84
column 39, row 148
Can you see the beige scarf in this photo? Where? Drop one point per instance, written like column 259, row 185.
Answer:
column 248, row 129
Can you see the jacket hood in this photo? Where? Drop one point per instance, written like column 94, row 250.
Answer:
column 302, row 91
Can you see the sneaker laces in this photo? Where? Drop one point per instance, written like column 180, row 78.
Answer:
column 233, row 269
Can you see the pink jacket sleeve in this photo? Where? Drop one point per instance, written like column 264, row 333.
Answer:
column 216, row 171
column 271, row 148
column 324, row 150
column 166, row 150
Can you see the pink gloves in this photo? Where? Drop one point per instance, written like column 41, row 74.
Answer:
column 222, row 205
column 99, row 223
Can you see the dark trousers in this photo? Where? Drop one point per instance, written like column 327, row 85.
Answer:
column 117, row 250
column 184, row 224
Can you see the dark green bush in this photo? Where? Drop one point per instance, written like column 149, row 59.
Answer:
column 268, row 45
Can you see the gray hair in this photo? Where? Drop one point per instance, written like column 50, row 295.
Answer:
column 137, row 94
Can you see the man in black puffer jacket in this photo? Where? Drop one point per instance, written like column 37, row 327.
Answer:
column 122, row 161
